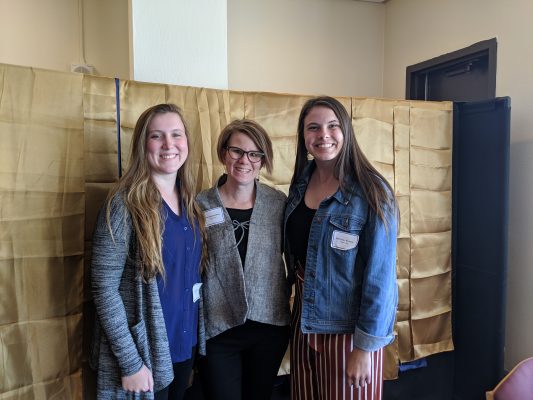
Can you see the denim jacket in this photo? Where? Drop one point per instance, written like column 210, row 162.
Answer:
column 350, row 272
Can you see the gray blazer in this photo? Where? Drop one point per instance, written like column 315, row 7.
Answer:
column 259, row 291
column 130, row 329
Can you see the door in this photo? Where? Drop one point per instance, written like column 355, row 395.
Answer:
column 479, row 237
column 468, row 74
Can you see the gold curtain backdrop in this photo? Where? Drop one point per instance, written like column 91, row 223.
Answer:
column 42, row 216
column 59, row 156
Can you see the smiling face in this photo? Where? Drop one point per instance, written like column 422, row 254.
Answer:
column 323, row 136
column 241, row 171
column 166, row 145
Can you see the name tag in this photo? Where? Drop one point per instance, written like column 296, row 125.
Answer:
column 214, row 216
column 196, row 292
column 344, row 241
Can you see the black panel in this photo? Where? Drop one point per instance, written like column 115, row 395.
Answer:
column 480, row 187
column 434, row 382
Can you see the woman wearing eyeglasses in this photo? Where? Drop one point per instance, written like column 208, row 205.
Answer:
column 245, row 297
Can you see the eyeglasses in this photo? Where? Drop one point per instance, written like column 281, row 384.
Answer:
column 236, row 153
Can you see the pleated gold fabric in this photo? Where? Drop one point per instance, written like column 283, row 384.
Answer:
column 100, row 172
column 60, row 154
column 42, row 216
column 423, row 149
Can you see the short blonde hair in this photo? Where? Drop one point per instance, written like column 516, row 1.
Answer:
column 255, row 132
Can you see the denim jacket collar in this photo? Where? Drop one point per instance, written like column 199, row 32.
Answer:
column 339, row 195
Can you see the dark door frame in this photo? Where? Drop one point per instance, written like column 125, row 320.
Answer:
column 459, row 57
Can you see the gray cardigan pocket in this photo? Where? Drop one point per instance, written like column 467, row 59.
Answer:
column 140, row 337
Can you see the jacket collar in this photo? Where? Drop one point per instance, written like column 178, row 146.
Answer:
column 340, row 196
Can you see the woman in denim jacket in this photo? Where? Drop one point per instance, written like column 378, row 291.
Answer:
column 340, row 226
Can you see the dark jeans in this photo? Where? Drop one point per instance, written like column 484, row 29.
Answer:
column 242, row 362
column 182, row 374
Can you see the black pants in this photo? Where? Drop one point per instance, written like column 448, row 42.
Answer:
column 242, row 362
column 182, row 374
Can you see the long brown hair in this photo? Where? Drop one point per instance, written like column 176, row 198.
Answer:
column 143, row 199
column 351, row 163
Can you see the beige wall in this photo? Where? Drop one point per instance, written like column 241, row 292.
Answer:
column 107, row 37
column 39, row 33
column 417, row 30
column 297, row 46
column 306, row 46
column 46, row 34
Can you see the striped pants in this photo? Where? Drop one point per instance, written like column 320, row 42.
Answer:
column 318, row 363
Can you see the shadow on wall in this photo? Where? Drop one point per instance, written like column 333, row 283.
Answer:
column 519, row 321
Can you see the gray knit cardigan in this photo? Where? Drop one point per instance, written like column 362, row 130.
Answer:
column 130, row 329
column 259, row 291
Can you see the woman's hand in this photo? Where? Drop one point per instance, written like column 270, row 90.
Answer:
column 358, row 368
column 141, row 381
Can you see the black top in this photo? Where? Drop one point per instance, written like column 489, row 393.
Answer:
column 298, row 227
column 241, row 222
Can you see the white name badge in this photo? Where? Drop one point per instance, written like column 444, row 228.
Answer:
column 344, row 241
column 196, row 292
column 214, row 216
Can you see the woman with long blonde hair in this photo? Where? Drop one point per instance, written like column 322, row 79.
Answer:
column 145, row 274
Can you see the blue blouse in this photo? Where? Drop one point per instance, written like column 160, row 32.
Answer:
column 182, row 248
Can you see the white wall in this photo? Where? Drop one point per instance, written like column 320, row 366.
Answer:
column 180, row 42
column 332, row 47
column 417, row 30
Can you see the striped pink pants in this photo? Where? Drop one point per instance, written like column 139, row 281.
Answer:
column 318, row 363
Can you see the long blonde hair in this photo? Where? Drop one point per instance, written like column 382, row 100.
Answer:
column 143, row 200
